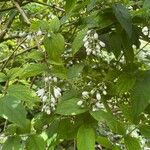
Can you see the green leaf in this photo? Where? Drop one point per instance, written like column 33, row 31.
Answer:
column 69, row 5
column 146, row 4
column 13, row 110
column 24, row 94
column 74, row 71
column 3, row 77
column 54, row 24
column 127, row 49
column 69, row 107
column 110, row 120
column 31, row 70
column 141, row 94
column 125, row 83
column 103, row 141
column 86, row 138
column 54, row 46
column 12, row 143
column 35, row 142
column 123, row 16
column 115, row 44
column 132, row 143
column 67, row 129
column 145, row 130
column 78, row 41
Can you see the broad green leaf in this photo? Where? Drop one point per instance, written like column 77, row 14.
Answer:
column 54, row 46
column 78, row 41
column 69, row 107
column 115, row 44
column 23, row 93
column 54, row 24
column 3, row 77
column 86, row 138
column 31, row 70
column 141, row 94
column 110, row 120
column 125, row 83
column 123, row 16
column 127, row 49
column 146, row 4
column 13, row 110
column 69, row 5
column 103, row 141
column 145, row 130
column 12, row 143
column 35, row 142
column 132, row 143
column 67, row 129
column 13, row 73
column 74, row 71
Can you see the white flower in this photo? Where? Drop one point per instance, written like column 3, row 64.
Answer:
column 86, row 44
column 98, row 96
column 40, row 92
column 48, row 111
column 21, row 34
column 44, row 98
column 54, row 79
column 39, row 33
column 88, row 51
column 53, row 100
column 98, row 105
column 145, row 30
column 95, row 36
column 57, row 92
column 49, row 35
column 102, row 44
column 97, row 47
column 89, row 31
column 104, row 92
column 85, row 38
column 79, row 103
column 85, row 94
column 29, row 37
column 94, row 108
column 46, row 79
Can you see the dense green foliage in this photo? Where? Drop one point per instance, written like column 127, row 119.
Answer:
column 75, row 74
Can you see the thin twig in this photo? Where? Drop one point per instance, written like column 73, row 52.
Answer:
column 50, row 5
column 7, row 26
column 21, row 11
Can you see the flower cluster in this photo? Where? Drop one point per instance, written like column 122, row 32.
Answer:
column 49, row 95
column 92, row 43
column 93, row 98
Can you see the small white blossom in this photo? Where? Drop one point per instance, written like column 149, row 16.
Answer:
column 40, row 92
column 46, row 79
column 57, row 92
column 85, row 94
column 98, row 105
column 98, row 96
column 95, row 36
column 79, row 103
column 44, row 98
column 104, row 92
column 102, row 44
column 29, row 37
column 39, row 33
column 145, row 30
column 86, row 44
column 54, row 79
column 21, row 34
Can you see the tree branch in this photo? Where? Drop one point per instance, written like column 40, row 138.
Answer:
column 21, row 11
column 7, row 26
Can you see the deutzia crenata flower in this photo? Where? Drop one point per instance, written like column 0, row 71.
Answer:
column 40, row 92
column 85, row 94
column 44, row 98
column 102, row 44
column 57, row 92
column 95, row 36
column 39, row 33
column 98, row 96
column 79, row 103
